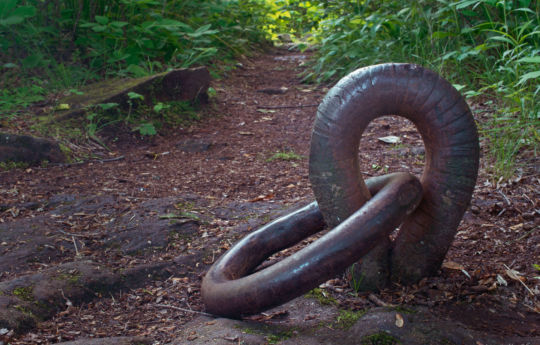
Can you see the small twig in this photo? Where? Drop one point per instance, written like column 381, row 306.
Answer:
column 183, row 309
column 527, row 197
column 286, row 106
column 109, row 159
column 504, row 196
column 75, row 244
column 379, row 302
column 68, row 302
column 522, row 236
column 517, row 278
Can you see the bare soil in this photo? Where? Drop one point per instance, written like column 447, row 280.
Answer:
column 194, row 190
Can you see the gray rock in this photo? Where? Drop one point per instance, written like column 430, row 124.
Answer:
column 180, row 84
column 29, row 149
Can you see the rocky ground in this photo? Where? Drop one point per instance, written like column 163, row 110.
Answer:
column 117, row 246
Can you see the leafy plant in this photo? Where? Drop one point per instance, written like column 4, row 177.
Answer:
column 490, row 47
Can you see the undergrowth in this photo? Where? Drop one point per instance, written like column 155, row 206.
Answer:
column 489, row 49
column 50, row 46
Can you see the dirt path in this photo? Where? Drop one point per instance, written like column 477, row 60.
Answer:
column 183, row 198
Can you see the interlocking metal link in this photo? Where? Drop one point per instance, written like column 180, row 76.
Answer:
column 361, row 215
column 448, row 130
column 231, row 287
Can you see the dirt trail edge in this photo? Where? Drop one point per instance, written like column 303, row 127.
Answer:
column 113, row 251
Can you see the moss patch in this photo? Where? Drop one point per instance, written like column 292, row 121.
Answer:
column 24, row 293
column 347, row 318
column 322, row 296
column 72, row 278
column 271, row 337
column 380, row 338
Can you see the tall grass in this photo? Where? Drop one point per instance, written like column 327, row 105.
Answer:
column 490, row 49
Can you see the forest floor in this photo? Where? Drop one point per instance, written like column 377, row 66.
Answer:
column 192, row 191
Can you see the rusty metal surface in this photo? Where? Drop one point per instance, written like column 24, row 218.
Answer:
column 452, row 152
column 232, row 289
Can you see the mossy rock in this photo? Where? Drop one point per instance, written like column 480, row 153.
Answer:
column 177, row 85
column 29, row 149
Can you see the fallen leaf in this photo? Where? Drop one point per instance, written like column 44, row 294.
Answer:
column 515, row 275
column 399, row 320
column 466, row 273
column 501, row 280
column 452, row 265
column 265, row 111
column 391, row 139
column 517, row 226
column 263, row 197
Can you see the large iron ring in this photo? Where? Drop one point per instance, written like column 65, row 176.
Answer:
column 452, row 152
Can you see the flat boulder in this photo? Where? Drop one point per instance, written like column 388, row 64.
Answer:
column 29, row 149
column 189, row 84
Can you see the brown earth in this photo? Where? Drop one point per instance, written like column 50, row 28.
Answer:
column 191, row 192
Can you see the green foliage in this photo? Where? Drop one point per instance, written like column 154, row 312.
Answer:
column 6, row 166
column 63, row 44
column 279, row 337
column 381, row 338
column 25, row 293
column 285, row 156
column 143, row 118
column 347, row 318
column 322, row 296
column 491, row 46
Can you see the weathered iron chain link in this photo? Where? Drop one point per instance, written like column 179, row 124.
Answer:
column 361, row 214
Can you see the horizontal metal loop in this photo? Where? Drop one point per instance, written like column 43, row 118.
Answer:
column 231, row 287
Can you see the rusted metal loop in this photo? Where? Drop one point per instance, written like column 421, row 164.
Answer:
column 231, row 287
column 448, row 129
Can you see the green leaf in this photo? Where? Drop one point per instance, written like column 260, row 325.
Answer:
column 146, row 129
column 502, row 39
column 107, row 106
column 135, row 95
column 24, row 11
column 533, row 59
column 119, row 25
column 469, row 13
column 463, row 4
column 136, row 70
column 6, row 6
column 527, row 76
column 102, row 20
column 75, row 92
column 99, row 28
column 203, row 30
column 160, row 106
